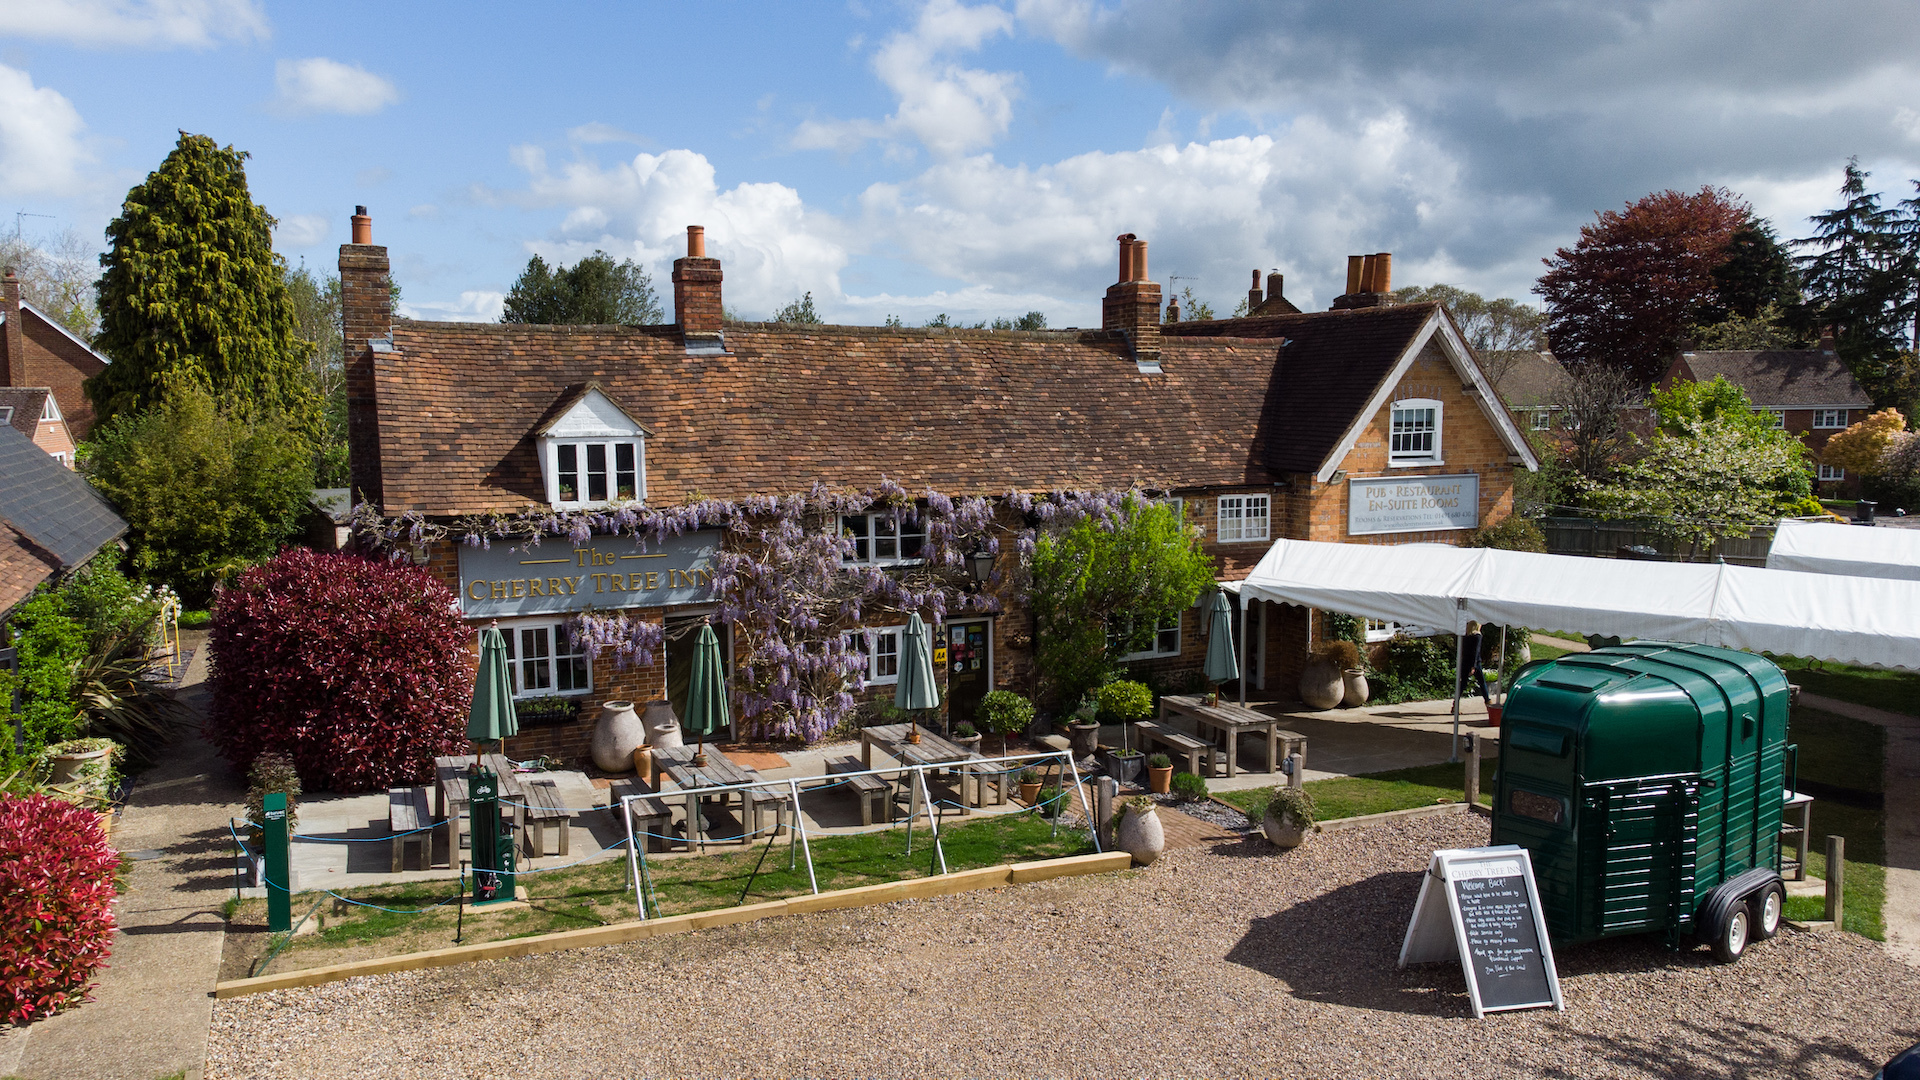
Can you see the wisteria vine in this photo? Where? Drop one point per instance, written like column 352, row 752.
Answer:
column 784, row 579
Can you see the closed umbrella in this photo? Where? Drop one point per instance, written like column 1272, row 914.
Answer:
column 491, row 717
column 916, row 690
column 706, row 709
column 1222, row 664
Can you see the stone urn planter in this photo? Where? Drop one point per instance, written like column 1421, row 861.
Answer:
column 65, row 768
column 1354, row 686
column 1084, row 738
column 1322, row 685
column 616, row 735
column 969, row 743
column 663, row 726
column 1140, row 834
column 1289, row 817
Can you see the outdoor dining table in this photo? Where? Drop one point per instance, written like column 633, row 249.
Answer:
column 1232, row 721
column 450, row 793
column 676, row 762
column 930, row 750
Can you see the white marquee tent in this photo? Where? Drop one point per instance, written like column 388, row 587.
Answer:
column 1818, row 548
column 1854, row 620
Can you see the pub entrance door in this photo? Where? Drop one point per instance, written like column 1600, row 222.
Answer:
column 969, row 667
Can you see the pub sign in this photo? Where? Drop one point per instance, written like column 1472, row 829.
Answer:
column 607, row 572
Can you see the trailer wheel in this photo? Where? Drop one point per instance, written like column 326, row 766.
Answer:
column 1730, row 937
column 1767, row 905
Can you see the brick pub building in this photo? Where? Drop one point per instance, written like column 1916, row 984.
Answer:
column 1368, row 423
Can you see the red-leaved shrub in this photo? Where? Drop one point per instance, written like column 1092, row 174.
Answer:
column 356, row 670
column 56, row 896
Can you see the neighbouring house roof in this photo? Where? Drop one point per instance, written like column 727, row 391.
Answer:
column 60, row 328
column 968, row 412
column 1532, row 379
column 23, row 406
column 51, row 505
column 1779, row 378
column 23, row 566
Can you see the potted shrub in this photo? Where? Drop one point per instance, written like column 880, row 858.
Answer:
column 1005, row 712
column 1051, row 804
column 1125, row 703
column 1159, row 774
column 1083, row 731
column 1289, row 816
column 965, row 735
column 1137, row 830
column 546, row 711
column 1029, row 786
column 1189, row 788
column 85, row 763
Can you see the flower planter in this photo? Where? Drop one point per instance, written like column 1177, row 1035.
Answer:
column 616, row 736
column 1160, row 781
column 1083, row 738
column 1140, row 835
column 1322, row 685
column 1354, row 687
column 971, row 744
column 1030, row 793
column 1493, row 715
column 67, row 768
column 1124, row 765
column 1283, row 830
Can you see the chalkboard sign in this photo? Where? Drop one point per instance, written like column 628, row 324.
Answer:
column 1480, row 905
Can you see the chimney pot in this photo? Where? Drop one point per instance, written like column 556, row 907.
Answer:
column 1126, row 257
column 1382, row 272
column 362, row 226
column 1355, row 263
column 1139, row 261
column 696, row 242
column 1254, row 299
column 1367, row 269
column 1276, row 284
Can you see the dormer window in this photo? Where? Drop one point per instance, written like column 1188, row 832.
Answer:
column 594, row 453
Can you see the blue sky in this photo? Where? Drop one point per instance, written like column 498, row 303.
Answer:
column 976, row 159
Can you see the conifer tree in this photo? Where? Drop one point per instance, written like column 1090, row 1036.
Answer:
column 193, row 295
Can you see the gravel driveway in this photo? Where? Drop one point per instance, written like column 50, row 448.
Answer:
column 1234, row 961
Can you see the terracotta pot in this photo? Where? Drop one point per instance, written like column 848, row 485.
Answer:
column 663, row 727
column 643, row 763
column 1160, row 781
column 1321, row 684
column 1282, row 830
column 1029, row 793
column 1354, row 687
column 1140, row 835
column 615, row 736
column 1493, row 714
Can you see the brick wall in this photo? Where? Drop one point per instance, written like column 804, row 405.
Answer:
column 366, row 298
column 55, row 360
column 697, row 304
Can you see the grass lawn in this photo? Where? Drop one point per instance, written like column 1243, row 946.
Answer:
column 596, row 894
column 1376, row 793
column 1548, row 652
column 1846, row 759
column 1894, row 691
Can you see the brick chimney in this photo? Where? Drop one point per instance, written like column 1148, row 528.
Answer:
column 1369, row 280
column 696, row 288
column 13, row 342
column 366, row 301
column 1132, row 305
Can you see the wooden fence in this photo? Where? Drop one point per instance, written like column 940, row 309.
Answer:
column 1604, row 539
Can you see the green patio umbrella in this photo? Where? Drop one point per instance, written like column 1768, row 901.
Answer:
column 916, row 689
column 491, row 718
column 706, row 709
column 1222, row 664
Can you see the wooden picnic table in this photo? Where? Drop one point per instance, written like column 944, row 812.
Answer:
column 676, row 763
column 1232, row 721
column 450, row 793
column 932, row 749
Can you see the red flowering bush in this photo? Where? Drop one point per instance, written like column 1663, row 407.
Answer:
column 356, row 670
column 56, row 892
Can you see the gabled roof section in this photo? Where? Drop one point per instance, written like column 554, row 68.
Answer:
column 51, row 504
column 1532, row 379
column 589, row 410
column 23, row 566
column 23, row 406
column 57, row 326
column 1780, row 378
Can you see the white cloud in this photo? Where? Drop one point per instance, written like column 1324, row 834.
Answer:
column 296, row 231
column 42, row 148
column 320, row 85
column 474, row 305
column 150, row 23
column 948, row 108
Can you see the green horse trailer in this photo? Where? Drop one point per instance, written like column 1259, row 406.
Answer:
column 1646, row 780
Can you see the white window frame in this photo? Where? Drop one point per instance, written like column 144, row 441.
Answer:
column 1779, row 419
column 1386, row 630
column 6, row 414
column 1405, row 458
column 1166, row 639
column 581, row 450
column 60, row 456
column 1832, row 472
column 50, row 412
column 872, row 642
column 1829, row 419
column 1234, row 516
column 1542, row 420
column 559, row 647
column 882, row 527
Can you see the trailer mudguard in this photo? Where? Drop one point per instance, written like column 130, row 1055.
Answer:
column 1723, row 897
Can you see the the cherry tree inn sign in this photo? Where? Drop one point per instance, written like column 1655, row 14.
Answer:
column 1399, row 504
column 609, row 572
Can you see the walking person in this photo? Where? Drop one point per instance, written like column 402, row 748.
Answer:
column 1470, row 661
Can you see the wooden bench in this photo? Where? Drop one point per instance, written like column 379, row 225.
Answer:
column 652, row 817
column 1178, row 743
column 409, row 820
column 758, row 800
column 542, row 806
column 869, row 789
column 997, row 774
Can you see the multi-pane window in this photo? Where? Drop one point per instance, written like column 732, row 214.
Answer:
column 1165, row 640
column 883, row 539
column 1777, row 419
column 1243, row 518
column 542, row 660
column 596, row 472
column 1542, row 419
column 1832, row 472
column 1415, row 433
column 1829, row 418
column 881, row 646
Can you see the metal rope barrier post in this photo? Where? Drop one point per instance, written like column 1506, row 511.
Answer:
column 280, row 900
column 633, row 861
column 933, row 816
column 800, row 824
column 1093, row 827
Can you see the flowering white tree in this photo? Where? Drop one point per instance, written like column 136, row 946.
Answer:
column 1717, row 479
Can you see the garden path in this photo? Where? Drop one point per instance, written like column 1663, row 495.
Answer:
column 151, row 1009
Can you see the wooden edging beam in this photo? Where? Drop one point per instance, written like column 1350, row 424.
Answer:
column 619, row 933
column 1365, row 820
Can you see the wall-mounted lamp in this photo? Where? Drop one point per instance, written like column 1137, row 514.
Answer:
column 980, row 565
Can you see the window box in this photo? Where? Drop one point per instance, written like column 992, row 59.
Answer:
column 547, row 710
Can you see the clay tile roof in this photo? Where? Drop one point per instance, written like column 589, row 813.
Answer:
column 26, row 403
column 1530, row 379
column 23, row 566
column 967, row 412
column 1783, row 378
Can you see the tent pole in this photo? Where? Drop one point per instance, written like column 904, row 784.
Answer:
column 1240, row 647
column 1459, row 655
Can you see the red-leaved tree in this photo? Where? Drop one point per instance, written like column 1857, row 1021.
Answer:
column 357, row 670
column 1625, row 294
column 56, row 897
